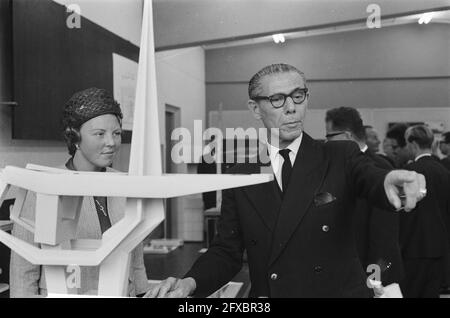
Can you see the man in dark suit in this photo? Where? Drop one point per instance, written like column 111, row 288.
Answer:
column 373, row 145
column 444, row 145
column 396, row 135
column 372, row 140
column 424, row 236
column 376, row 230
column 388, row 151
column 296, row 230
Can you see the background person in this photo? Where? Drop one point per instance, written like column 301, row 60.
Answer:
column 376, row 230
column 424, row 236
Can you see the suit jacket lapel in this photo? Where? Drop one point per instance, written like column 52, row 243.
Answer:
column 266, row 200
column 265, row 197
column 309, row 170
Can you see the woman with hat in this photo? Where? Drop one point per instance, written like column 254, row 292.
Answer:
column 92, row 122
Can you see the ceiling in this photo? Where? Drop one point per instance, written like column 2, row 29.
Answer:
column 437, row 17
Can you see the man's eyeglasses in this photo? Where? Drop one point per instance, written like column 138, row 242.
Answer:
column 277, row 100
column 334, row 134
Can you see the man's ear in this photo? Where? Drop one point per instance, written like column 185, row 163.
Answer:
column 254, row 108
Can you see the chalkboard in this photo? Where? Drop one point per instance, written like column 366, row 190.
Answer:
column 51, row 62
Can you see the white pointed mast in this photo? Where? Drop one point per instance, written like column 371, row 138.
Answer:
column 145, row 155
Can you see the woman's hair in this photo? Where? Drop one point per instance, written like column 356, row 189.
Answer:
column 83, row 106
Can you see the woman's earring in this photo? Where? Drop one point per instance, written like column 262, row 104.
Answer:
column 77, row 146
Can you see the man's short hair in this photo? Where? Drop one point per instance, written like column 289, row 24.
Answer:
column 397, row 132
column 446, row 137
column 347, row 119
column 421, row 134
column 254, row 86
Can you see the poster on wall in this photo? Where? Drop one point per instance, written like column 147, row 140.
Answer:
column 437, row 127
column 125, row 78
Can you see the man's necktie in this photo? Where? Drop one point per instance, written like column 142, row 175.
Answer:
column 286, row 170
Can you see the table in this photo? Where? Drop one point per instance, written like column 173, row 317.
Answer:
column 178, row 262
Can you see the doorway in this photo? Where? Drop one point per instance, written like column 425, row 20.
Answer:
column 172, row 121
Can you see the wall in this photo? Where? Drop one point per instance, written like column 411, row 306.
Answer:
column 181, row 83
column 124, row 17
column 180, row 76
column 5, row 53
column 402, row 67
column 18, row 152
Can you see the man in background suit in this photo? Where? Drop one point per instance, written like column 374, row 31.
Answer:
column 424, row 236
column 388, row 151
column 444, row 145
column 376, row 229
column 372, row 140
column 396, row 135
column 373, row 144
column 296, row 229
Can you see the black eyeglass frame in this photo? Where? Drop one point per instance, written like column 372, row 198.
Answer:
column 333, row 134
column 285, row 96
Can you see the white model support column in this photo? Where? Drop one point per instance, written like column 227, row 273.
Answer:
column 55, row 275
column 53, row 210
column 145, row 159
column 3, row 187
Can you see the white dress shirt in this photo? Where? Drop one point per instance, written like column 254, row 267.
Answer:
column 422, row 155
column 276, row 160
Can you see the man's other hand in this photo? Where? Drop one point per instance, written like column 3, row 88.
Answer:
column 172, row 288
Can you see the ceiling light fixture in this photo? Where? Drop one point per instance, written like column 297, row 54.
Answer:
column 426, row 18
column 278, row 38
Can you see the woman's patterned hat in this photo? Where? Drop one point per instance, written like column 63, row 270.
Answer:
column 87, row 104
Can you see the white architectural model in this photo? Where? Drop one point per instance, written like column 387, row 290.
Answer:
column 59, row 195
